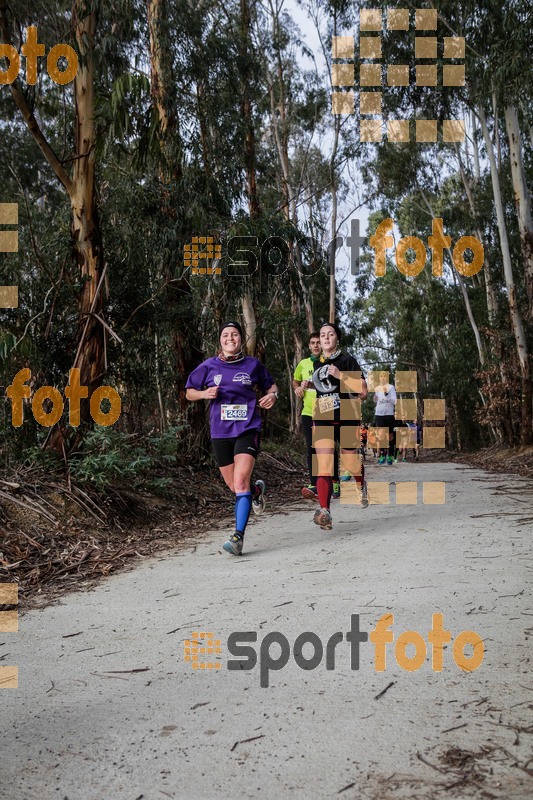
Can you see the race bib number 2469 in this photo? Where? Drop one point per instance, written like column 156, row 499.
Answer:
column 234, row 412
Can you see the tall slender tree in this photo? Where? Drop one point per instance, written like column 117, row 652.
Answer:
column 79, row 185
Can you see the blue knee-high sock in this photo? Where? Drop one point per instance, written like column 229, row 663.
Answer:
column 243, row 506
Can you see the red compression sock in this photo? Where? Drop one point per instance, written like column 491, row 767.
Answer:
column 324, row 488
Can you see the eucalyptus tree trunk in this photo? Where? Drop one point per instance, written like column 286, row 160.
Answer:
column 250, row 324
column 475, row 146
column 294, row 413
column 204, row 133
column 85, row 225
column 162, row 411
column 179, row 298
column 246, row 108
column 334, row 200
column 464, row 292
column 254, row 207
column 522, row 200
column 90, row 356
column 471, row 319
column 333, row 249
column 514, row 312
column 280, row 112
column 289, row 207
column 156, row 13
column 492, row 300
column 161, row 86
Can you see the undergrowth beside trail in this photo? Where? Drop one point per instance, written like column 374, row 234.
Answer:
column 124, row 497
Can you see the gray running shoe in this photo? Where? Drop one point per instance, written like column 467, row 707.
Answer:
column 364, row 495
column 233, row 545
column 258, row 502
column 322, row 517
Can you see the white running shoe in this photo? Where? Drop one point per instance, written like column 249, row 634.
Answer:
column 258, row 502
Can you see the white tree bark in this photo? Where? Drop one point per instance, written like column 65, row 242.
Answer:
column 475, row 147
column 516, row 320
column 250, row 324
column 523, row 204
column 492, row 300
column 464, row 292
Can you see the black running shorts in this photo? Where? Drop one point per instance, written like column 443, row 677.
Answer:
column 225, row 450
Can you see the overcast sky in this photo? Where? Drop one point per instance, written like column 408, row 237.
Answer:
column 311, row 39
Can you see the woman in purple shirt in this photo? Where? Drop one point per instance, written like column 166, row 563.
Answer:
column 228, row 381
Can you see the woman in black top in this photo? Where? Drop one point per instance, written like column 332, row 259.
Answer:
column 336, row 418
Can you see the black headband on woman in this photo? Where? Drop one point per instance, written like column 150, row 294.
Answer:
column 229, row 325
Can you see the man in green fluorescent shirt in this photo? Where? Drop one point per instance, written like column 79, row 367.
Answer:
column 302, row 379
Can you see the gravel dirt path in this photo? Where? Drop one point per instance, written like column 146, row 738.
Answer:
column 108, row 709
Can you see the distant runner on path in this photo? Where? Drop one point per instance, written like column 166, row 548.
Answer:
column 336, row 419
column 385, row 397
column 228, row 381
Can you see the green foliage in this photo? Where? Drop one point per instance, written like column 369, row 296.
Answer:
column 110, row 457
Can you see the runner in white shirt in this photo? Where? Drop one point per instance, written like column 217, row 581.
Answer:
column 385, row 397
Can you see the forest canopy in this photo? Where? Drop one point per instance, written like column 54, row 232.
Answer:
column 215, row 119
